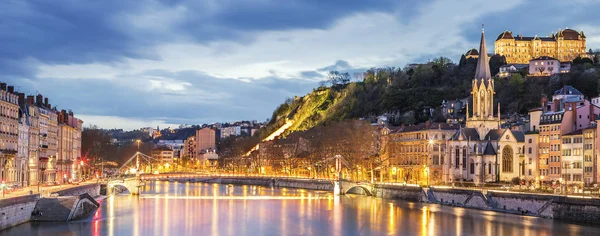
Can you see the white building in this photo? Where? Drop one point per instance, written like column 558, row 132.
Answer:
column 175, row 145
column 230, row 131
column 544, row 66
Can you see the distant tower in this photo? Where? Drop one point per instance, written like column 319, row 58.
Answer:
column 483, row 94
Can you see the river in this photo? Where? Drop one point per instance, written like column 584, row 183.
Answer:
column 170, row 208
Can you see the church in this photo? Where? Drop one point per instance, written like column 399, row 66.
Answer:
column 481, row 151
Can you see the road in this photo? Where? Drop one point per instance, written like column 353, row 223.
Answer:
column 44, row 190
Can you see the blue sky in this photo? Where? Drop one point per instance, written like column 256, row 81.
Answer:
column 129, row 64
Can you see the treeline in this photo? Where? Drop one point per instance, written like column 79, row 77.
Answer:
column 98, row 144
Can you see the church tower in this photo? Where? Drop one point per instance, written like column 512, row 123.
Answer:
column 482, row 92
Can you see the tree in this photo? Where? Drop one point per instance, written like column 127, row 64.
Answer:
column 582, row 61
column 496, row 61
column 541, row 69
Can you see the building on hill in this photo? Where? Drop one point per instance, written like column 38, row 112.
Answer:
column 565, row 45
column 544, row 66
column 163, row 154
column 472, row 53
column 205, row 139
column 175, row 145
column 189, row 148
column 481, row 151
column 454, row 110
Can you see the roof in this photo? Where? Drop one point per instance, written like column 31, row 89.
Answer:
column 466, row 134
column 162, row 148
column 543, row 58
column 489, row 149
column 576, row 132
column 567, row 90
column 551, row 118
column 472, row 52
column 482, row 70
column 423, row 126
column 569, row 34
column 495, row 134
column 505, row 35
column 519, row 135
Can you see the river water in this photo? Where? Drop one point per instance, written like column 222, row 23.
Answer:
column 170, row 208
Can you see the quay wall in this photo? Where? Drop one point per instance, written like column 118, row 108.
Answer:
column 16, row 210
column 91, row 189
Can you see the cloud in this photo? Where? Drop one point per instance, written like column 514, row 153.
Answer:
column 192, row 62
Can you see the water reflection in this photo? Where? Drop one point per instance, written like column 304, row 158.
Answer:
column 167, row 208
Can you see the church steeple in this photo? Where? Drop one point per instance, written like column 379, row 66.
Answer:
column 483, row 67
column 482, row 93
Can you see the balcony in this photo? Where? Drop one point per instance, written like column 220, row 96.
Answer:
column 44, row 146
column 43, row 159
column 8, row 151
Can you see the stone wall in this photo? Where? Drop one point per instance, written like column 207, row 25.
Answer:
column 91, row 189
column 577, row 210
column 409, row 193
column 17, row 210
column 528, row 204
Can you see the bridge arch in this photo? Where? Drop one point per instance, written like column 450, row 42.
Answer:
column 349, row 185
column 364, row 188
column 132, row 185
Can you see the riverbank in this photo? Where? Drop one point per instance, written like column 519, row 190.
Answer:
column 65, row 203
column 573, row 209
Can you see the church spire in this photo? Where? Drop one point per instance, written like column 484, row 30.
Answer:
column 483, row 67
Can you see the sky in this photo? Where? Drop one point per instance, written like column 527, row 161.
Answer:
column 132, row 64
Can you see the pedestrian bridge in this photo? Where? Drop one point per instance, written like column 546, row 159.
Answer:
column 132, row 184
column 347, row 185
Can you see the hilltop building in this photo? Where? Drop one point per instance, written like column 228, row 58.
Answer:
column 565, row 45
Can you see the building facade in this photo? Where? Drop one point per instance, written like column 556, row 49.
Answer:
column 9, row 135
column 565, row 45
column 544, row 66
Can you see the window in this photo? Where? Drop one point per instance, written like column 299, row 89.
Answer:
column 529, row 150
column 464, row 159
column 472, row 167
column 530, row 139
column 457, row 157
column 507, row 159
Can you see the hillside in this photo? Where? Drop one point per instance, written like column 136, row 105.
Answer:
column 404, row 94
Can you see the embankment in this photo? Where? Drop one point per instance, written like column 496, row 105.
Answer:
column 69, row 204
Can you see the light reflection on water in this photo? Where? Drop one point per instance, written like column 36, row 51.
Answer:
column 168, row 208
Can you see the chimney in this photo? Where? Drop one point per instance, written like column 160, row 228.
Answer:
column 49, row 106
column 30, row 100
column 21, row 99
column 11, row 89
column 38, row 99
column 3, row 86
column 544, row 103
column 63, row 116
column 46, row 102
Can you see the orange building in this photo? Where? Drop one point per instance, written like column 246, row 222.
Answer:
column 565, row 45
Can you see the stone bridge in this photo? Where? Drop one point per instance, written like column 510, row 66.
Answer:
column 349, row 185
column 132, row 184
